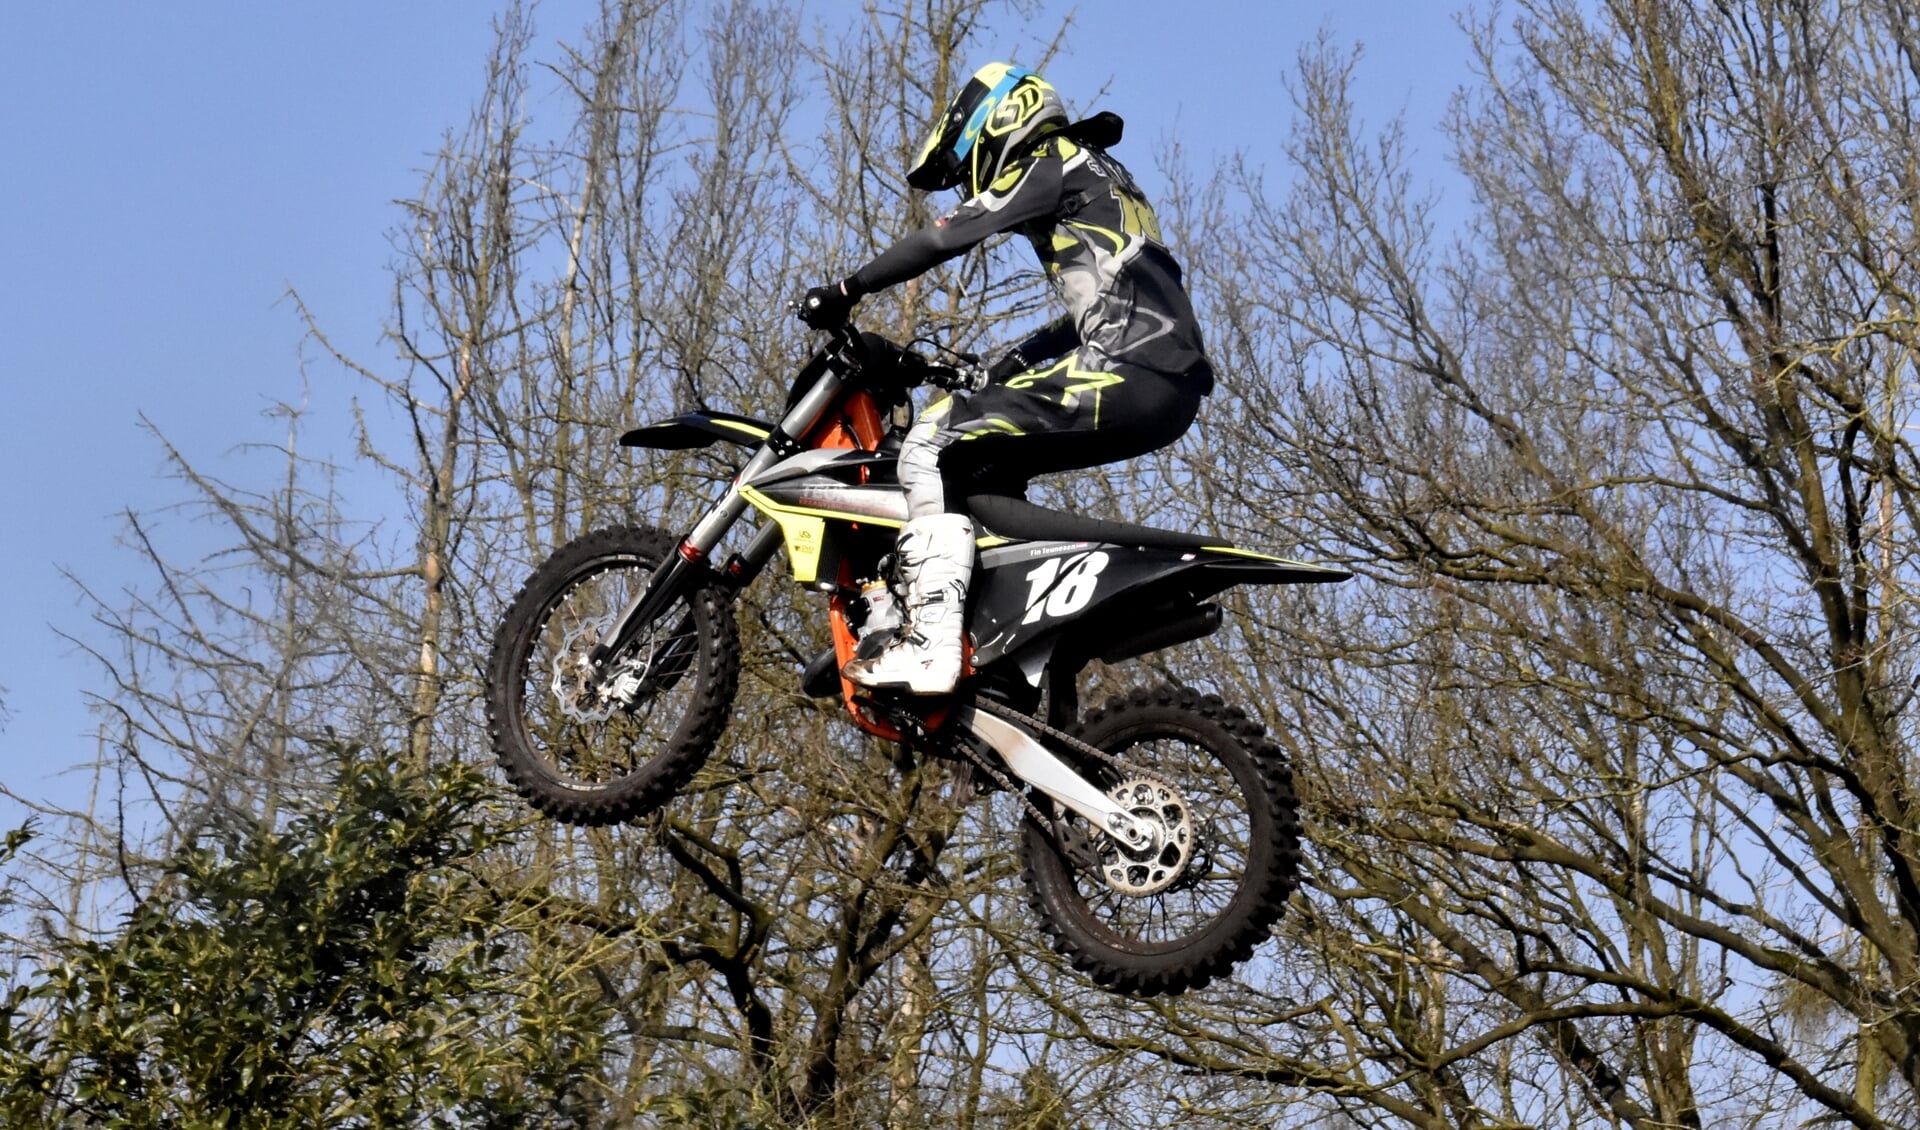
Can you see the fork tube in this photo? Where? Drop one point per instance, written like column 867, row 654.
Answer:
column 784, row 442
column 665, row 586
column 710, row 529
column 688, row 569
column 797, row 424
column 745, row 565
column 685, row 571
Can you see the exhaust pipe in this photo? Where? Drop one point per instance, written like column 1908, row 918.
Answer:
column 1195, row 623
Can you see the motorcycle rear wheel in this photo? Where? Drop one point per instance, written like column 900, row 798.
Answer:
column 1235, row 792
column 593, row 752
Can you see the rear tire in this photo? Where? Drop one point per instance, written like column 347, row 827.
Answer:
column 587, row 760
column 1238, row 793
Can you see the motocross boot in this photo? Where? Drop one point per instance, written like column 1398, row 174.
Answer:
column 936, row 563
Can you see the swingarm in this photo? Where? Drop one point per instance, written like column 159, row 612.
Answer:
column 1039, row 767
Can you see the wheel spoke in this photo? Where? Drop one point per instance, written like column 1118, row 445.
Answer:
column 1219, row 816
column 589, row 738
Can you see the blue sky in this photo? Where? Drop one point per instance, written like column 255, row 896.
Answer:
column 172, row 170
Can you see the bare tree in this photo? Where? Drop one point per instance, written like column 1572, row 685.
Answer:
column 768, row 941
column 1610, row 760
column 1607, row 759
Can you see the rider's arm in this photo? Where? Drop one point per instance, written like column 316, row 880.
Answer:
column 1027, row 191
column 1049, row 341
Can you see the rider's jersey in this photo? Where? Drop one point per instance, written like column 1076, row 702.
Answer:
column 1098, row 238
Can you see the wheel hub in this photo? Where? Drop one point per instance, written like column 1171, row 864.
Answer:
column 1154, row 861
column 583, row 692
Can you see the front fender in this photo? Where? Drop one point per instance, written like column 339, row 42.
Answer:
column 699, row 429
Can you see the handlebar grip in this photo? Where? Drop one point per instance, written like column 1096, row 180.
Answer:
column 967, row 379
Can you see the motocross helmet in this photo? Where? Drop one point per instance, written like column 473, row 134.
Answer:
column 1001, row 111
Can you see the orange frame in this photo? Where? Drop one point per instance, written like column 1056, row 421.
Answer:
column 858, row 425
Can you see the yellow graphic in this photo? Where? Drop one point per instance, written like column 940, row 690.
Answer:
column 1136, row 216
column 989, row 426
column 935, row 411
column 1020, row 104
column 1253, row 555
column 757, row 433
column 1071, row 383
column 805, row 534
column 1119, row 241
column 805, row 530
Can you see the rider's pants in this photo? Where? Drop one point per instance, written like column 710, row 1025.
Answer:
column 1058, row 417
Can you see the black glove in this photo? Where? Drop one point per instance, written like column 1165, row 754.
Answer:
column 826, row 307
column 1011, row 364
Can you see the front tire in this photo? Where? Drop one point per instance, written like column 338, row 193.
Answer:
column 1135, row 930
column 595, row 752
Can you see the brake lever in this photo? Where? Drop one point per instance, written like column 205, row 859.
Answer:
column 844, row 333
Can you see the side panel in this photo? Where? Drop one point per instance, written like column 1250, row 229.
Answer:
column 816, row 511
column 846, row 465
column 1027, row 590
column 816, row 494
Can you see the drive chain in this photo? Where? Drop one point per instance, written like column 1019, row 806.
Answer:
column 1040, row 729
column 1078, row 845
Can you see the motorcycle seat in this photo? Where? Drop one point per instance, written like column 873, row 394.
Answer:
column 1021, row 520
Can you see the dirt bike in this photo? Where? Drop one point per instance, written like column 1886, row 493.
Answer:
column 1160, row 840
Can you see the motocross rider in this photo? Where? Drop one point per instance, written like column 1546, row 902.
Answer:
column 1121, row 374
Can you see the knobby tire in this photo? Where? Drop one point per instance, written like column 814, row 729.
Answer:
column 579, row 772
column 1128, row 963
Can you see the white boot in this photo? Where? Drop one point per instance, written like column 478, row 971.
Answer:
column 936, row 563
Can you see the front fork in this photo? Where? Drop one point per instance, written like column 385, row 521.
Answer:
column 691, row 568
column 688, row 572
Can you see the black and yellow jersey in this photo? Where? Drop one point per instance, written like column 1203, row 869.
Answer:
column 1095, row 233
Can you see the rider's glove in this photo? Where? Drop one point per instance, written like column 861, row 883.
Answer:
column 826, row 307
column 1011, row 363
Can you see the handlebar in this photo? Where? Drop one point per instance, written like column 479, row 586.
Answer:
column 850, row 343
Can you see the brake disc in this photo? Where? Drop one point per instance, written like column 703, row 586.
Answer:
column 582, row 692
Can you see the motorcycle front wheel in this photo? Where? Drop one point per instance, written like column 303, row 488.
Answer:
column 1225, row 859
column 601, row 746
